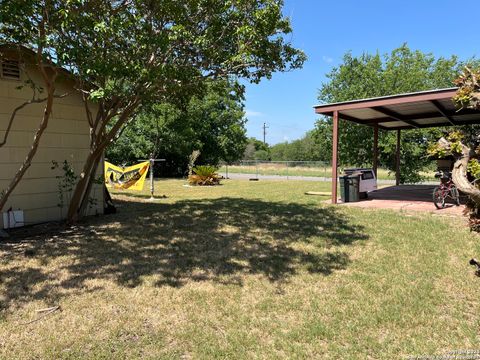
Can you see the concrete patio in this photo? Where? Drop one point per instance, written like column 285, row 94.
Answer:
column 405, row 198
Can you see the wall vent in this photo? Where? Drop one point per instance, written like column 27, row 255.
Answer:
column 11, row 69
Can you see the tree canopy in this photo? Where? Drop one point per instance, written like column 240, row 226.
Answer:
column 124, row 54
column 256, row 150
column 401, row 71
column 214, row 124
column 303, row 149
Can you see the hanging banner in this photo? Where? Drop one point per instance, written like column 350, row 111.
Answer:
column 131, row 177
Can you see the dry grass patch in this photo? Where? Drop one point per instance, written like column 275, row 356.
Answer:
column 243, row 270
column 281, row 169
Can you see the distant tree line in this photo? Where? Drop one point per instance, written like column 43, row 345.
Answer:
column 303, row 149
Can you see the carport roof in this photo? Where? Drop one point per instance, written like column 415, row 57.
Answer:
column 404, row 111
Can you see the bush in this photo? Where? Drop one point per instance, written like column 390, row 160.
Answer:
column 204, row 175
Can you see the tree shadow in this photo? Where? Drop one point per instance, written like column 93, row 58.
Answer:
column 220, row 240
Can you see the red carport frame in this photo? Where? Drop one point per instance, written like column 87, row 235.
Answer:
column 433, row 108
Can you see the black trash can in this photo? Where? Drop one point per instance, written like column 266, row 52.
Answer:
column 344, row 188
column 354, row 187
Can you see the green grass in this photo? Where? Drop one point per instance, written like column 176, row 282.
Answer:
column 242, row 270
column 320, row 171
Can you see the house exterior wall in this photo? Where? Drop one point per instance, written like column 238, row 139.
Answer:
column 66, row 138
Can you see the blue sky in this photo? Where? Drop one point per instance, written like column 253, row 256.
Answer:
column 326, row 29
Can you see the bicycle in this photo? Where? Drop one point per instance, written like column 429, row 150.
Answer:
column 447, row 189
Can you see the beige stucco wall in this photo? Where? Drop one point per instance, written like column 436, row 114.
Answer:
column 66, row 138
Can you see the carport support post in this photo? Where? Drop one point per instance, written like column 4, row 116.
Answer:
column 334, row 157
column 397, row 160
column 375, row 149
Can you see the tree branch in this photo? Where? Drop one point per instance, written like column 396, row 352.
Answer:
column 14, row 113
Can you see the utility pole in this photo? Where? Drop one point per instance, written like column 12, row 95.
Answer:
column 265, row 127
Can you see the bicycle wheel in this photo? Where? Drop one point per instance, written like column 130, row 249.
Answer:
column 455, row 196
column 438, row 198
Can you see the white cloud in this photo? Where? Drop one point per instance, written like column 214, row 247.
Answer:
column 286, row 138
column 327, row 59
column 251, row 113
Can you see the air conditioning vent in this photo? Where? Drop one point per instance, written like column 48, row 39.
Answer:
column 10, row 69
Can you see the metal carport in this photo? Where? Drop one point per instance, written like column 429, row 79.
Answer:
column 422, row 109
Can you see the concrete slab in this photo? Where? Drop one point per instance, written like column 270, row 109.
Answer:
column 405, row 198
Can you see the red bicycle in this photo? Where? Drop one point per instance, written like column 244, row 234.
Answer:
column 446, row 190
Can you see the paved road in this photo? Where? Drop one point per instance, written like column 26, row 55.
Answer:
column 302, row 178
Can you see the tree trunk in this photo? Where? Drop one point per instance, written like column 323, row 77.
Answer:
column 86, row 196
column 98, row 144
column 73, row 214
column 460, row 179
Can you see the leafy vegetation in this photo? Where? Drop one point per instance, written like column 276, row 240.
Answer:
column 402, row 71
column 304, row 149
column 212, row 123
column 66, row 182
column 126, row 55
column 464, row 146
column 204, row 175
column 256, row 150
column 468, row 93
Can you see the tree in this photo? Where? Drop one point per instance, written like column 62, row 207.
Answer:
column 31, row 30
column 464, row 145
column 214, row 124
column 262, row 155
column 125, row 54
column 402, row 71
column 256, row 150
column 304, row 149
column 219, row 123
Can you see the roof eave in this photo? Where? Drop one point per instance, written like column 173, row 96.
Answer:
column 429, row 95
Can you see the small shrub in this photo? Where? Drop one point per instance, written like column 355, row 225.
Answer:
column 204, row 175
column 66, row 182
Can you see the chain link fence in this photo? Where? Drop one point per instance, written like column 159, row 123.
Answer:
column 299, row 170
column 287, row 169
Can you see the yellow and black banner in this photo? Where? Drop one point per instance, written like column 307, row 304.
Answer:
column 131, row 177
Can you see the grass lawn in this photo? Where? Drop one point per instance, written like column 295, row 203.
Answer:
column 243, row 270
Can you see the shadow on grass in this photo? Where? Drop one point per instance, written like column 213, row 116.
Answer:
column 220, row 240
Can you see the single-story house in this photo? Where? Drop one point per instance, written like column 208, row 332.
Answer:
column 37, row 197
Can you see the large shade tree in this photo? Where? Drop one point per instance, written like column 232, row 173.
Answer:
column 401, row 71
column 213, row 123
column 126, row 53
